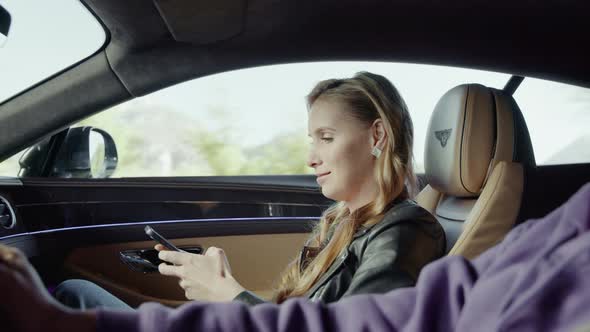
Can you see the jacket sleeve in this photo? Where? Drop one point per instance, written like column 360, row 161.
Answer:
column 444, row 284
column 249, row 298
column 393, row 259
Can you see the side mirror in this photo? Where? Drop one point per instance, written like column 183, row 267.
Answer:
column 5, row 21
column 81, row 152
column 86, row 153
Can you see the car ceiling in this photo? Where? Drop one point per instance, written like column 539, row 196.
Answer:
column 522, row 37
column 153, row 44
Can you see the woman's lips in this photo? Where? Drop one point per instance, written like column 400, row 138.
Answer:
column 322, row 177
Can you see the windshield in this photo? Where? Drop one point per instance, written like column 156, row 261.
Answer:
column 45, row 37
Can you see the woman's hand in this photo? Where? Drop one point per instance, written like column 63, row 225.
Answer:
column 203, row 277
column 26, row 305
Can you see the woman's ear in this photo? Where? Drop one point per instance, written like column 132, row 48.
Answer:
column 378, row 134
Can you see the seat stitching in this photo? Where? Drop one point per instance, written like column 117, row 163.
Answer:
column 485, row 208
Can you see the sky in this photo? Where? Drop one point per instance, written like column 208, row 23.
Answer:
column 267, row 101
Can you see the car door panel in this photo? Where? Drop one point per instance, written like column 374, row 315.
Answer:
column 256, row 261
column 76, row 228
column 50, row 204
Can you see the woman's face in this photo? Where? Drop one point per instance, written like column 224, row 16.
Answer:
column 340, row 153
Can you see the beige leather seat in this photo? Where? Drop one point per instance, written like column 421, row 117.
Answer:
column 476, row 148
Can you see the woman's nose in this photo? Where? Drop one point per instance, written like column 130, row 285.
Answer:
column 312, row 159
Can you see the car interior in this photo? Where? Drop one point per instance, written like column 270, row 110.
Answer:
column 480, row 179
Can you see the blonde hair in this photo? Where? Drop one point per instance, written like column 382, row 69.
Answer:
column 369, row 97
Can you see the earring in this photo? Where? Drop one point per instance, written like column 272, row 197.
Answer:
column 376, row 152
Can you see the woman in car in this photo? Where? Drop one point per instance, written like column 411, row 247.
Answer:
column 372, row 240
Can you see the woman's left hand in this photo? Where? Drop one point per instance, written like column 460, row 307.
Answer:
column 204, row 277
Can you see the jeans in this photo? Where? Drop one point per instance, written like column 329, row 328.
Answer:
column 83, row 294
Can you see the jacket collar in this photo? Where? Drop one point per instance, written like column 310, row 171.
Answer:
column 361, row 232
column 396, row 205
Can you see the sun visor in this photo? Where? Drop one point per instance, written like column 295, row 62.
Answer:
column 203, row 22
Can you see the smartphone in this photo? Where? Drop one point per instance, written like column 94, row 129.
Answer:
column 160, row 239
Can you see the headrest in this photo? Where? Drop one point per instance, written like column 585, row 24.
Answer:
column 472, row 128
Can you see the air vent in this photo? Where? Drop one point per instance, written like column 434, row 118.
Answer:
column 7, row 218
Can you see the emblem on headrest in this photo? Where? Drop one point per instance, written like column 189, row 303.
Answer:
column 443, row 136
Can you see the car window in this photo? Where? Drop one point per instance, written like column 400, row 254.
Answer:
column 557, row 116
column 10, row 166
column 47, row 36
column 252, row 121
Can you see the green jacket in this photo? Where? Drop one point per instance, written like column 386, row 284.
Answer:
column 382, row 257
